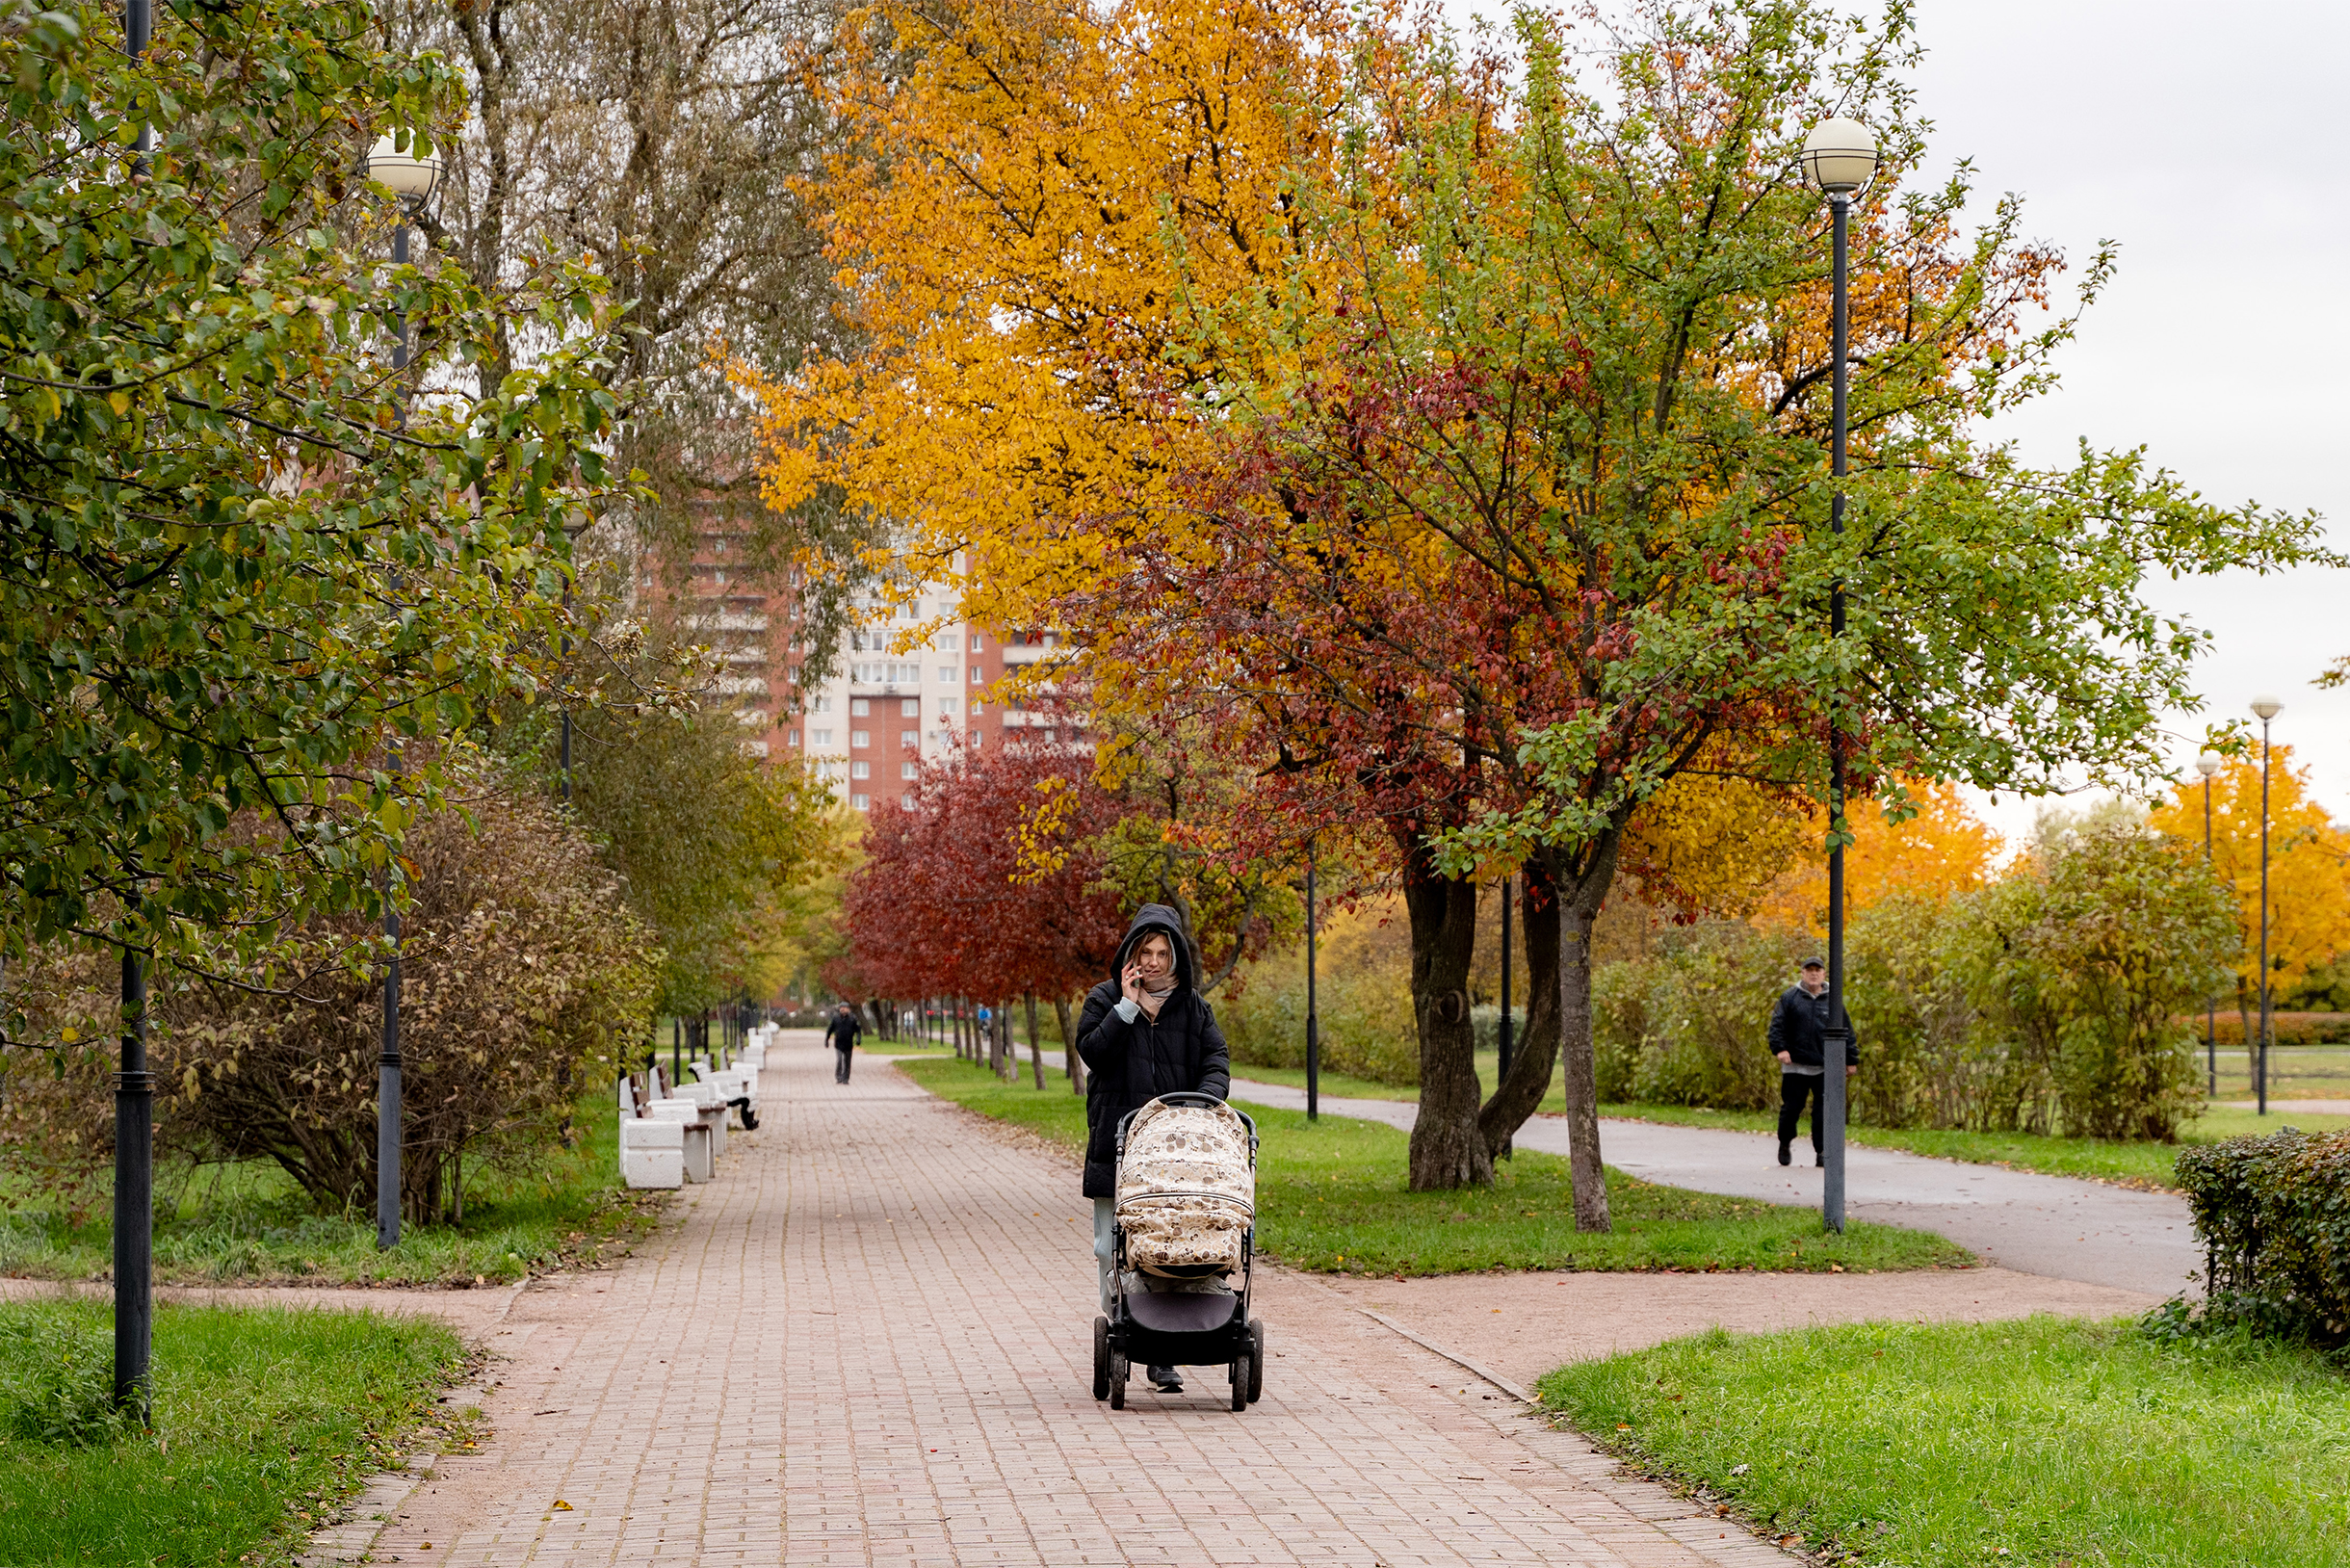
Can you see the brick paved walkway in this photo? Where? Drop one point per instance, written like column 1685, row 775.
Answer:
column 869, row 1343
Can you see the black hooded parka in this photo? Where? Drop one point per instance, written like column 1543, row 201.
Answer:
column 1129, row 1065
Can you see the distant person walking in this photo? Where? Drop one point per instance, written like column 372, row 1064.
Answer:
column 1798, row 1038
column 841, row 1035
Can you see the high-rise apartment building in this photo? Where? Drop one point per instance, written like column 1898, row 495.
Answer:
column 867, row 727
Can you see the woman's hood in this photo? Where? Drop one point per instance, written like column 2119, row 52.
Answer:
column 1157, row 917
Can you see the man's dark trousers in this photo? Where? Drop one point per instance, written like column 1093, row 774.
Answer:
column 1793, row 1088
column 840, row 1074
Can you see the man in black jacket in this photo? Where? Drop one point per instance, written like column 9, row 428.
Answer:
column 1144, row 1033
column 841, row 1035
column 1797, row 1029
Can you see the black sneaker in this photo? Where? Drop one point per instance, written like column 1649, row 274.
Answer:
column 1785, row 1155
column 1166, row 1380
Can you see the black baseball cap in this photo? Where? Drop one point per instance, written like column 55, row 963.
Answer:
column 1814, row 963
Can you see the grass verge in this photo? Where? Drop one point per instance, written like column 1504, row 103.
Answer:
column 1331, row 1196
column 2125, row 1163
column 248, row 1224
column 265, row 1420
column 2047, row 1443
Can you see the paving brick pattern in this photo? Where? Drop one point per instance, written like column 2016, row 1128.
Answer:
column 870, row 1343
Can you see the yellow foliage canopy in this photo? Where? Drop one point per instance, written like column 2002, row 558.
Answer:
column 1945, row 848
column 1037, row 188
column 2309, row 884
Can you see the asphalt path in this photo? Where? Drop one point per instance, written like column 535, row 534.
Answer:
column 2055, row 1226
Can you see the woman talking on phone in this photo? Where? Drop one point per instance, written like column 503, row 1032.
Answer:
column 1143, row 1034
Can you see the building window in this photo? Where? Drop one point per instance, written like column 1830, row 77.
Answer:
column 862, row 802
column 978, row 643
column 979, row 676
column 909, row 770
column 909, row 737
column 947, row 674
column 819, row 736
column 860, row 769
column 795, row 675
column 791, row 737
column 860, row 737
column 907, row 799
column 859, row 707
column 948, row 641
column 821, row 705
column 945, row 705
column 910, row 708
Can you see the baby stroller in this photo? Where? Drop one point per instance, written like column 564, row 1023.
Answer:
column 1185, row 1217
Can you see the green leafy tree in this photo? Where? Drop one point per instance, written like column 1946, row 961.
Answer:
column 721, row 851
column 243, row 551
column 1557, row 370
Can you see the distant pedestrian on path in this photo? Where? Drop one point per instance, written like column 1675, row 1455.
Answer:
column 1798, row 1028
column 1144, row 1033
column 841, row 1035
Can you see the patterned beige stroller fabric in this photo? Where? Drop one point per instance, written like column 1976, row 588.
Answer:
column 1186, row 1189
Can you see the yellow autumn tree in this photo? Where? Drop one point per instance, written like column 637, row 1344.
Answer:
column 2309, row 866
column 1943, row 849
column 1036, row 190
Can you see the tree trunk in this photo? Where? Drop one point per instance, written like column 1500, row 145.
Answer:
column 1580, row 897
column 1535, row 1059
column 1035, row 1043
column 1075, row 1063
column 1448, row 1148
column 962, row 1041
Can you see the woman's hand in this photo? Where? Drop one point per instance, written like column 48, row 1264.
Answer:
column 1136, row 994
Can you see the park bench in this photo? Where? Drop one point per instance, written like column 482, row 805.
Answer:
column 652, row 1148
column 736, row 1086
column 698, row 1111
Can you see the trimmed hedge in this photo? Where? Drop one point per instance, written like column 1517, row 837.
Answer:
column 2274, row 1213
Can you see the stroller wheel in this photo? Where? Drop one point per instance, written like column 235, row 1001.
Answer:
column 1239, row 1383
column 1117, row 1381
column 1101, row 1358
column 1256, row 1362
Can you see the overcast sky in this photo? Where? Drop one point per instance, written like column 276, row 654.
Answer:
column 2212, row 144
column 2209, row 141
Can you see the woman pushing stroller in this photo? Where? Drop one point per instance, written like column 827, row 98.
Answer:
column 1143, row 1034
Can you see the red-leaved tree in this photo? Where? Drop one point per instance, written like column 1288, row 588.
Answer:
column 982, row 884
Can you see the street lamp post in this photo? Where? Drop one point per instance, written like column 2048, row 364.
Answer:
column 2207, row 764
column 1312, row 1022
column 134, row 1084
column 2267, row 707
column 1839, row 156
column 412, row 179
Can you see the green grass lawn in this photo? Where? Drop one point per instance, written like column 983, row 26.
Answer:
column 2047, row 1443
column 1331, row 1196
column 2130, row 1164
column 264, row 1421
column 248, row 1224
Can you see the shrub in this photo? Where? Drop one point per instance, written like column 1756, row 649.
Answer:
column 523, row 973
column 1691, row 1024
column 1363, row 996
column 2274, row 1213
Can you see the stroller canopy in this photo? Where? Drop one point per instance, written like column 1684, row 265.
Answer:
column 1187, row 1190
